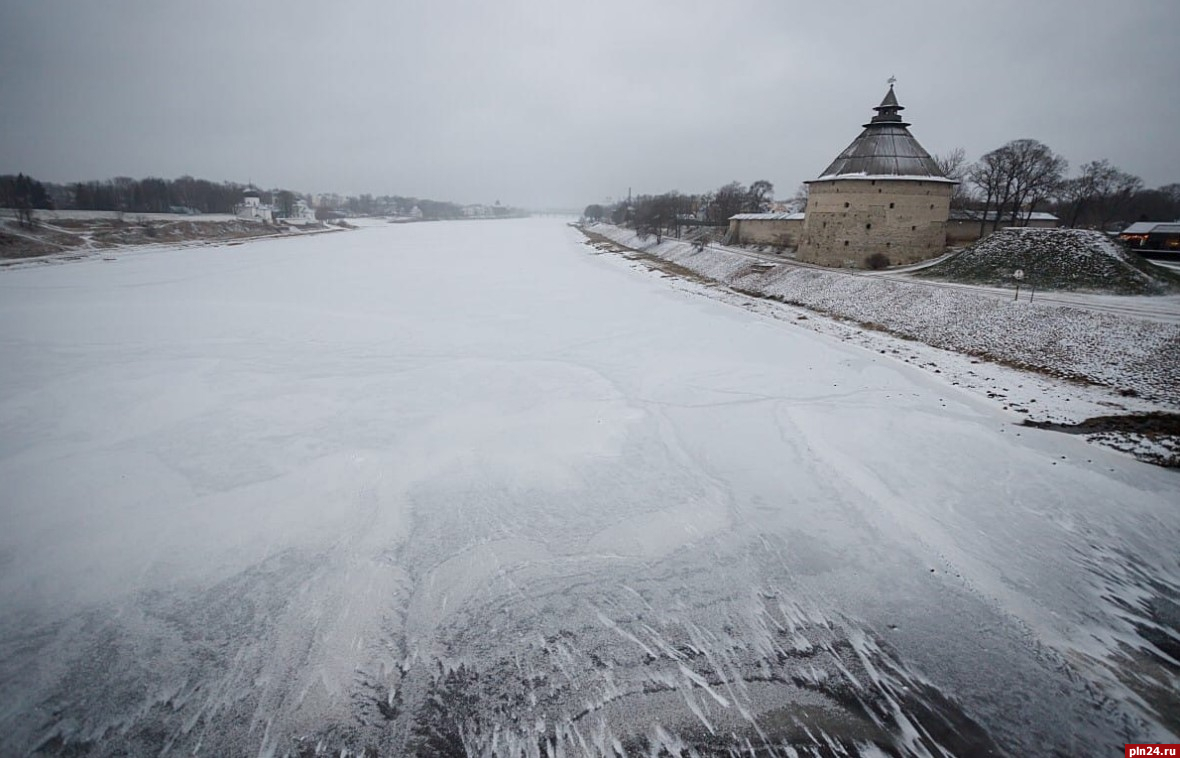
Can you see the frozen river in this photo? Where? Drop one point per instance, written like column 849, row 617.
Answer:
column 466, row 487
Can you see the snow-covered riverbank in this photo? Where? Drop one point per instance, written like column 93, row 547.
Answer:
column 70, row 236
column 1122, row 352
column 1103, row 367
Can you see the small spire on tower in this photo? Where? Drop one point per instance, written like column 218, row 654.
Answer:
column 889, row 110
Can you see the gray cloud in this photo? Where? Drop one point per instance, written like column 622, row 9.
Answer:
column 558, row 103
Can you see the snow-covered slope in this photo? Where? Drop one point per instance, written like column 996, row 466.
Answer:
column 1054, row 259
column 66, row 236
column 1139, row 356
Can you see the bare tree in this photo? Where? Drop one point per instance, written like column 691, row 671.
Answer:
column 953, row 163
column 1016, row 178
column 25, row 194
column 123, row 188
column 705, row 205
column 285, row 200
column 993, row 181
column 760, row 195
column 727, row 201
column 1040, row 177
column 1160, row 204
column 24, row 212
column 1098, row 194
column 954, row 166
column 657, row 214
column 798, row 203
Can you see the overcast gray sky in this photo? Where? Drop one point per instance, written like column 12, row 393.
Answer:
column 565, row 103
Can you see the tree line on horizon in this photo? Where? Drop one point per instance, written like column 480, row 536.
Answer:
column 667, row 213
column 189, row 195
column 1006, row 185
column 122, row 193
column 1025, row 176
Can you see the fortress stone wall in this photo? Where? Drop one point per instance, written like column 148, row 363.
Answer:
column 850, row 219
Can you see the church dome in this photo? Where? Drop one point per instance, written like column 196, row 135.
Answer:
column 885, row 150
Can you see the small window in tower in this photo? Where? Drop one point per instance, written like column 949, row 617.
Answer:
column 913, row 228
column 845, row 205
column 845, row 243
column 888, row 244
column 868, row 226
column 874, row 183
column 932, row 206
column 878, row 189
column 825, row 225
column 891, row 205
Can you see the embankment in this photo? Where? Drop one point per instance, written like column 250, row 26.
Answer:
column 1133, row 356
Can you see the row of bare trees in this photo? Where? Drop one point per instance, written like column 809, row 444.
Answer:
column 155, row 195
column 1011, row 182
column 25, row 194
column 668, row 213
column 1103, row 194
column 149, row 195
column 1006, row 186
column 1017, row 177
column 393, row 205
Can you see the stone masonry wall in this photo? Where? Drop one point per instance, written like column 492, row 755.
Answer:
column 778, row 232
column 850, row 219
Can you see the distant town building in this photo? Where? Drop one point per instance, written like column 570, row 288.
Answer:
column 253, row 209
column 301, row 214
column 479, row 210
column 1153, row 236
column 883, row 195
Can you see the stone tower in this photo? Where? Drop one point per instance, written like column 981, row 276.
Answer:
column 883, row 194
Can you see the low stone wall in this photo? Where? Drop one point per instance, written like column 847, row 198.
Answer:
column 776, row 232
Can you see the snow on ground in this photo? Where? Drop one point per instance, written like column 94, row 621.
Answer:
column 1139, row 355
column 1054, row 259
column 1162, row 308
column 467, row 488
column 68, row 236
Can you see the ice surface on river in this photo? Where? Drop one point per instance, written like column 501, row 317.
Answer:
column 468, row 487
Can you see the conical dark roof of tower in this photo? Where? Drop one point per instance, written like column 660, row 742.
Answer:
column 885, row 149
